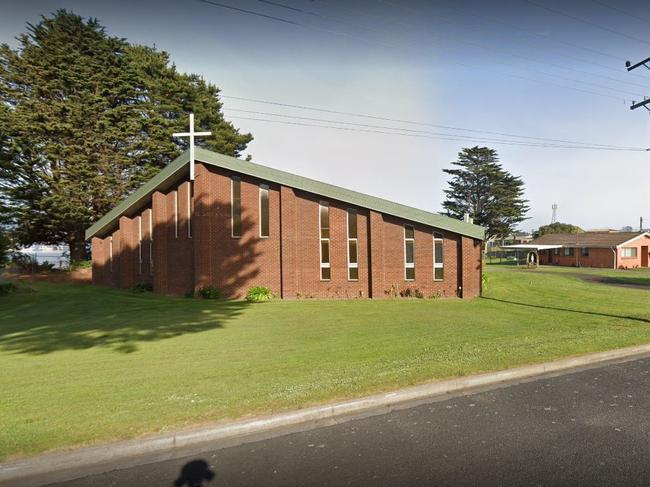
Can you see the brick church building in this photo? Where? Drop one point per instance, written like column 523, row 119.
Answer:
column 240, row 224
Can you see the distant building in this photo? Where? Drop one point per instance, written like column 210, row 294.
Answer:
column 57, row 255
column 613, row 249
column 514, row 239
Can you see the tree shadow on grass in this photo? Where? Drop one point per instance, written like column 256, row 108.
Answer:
column 577, row 311
column 50, row 320
column 632, row 279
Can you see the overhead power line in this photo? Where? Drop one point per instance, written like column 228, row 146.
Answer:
column 249, row 12
column 531, row 33
column 621, row 11
column 484, row 47
column 539, row 34
column 526, row 78
column 384, row 127
column 423, row 124
column 588, row 22
column 451, row 138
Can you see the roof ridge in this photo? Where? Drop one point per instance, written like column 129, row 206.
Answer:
column 285, row 178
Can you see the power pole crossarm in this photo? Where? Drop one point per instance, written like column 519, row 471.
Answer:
column 630, row 66
column 643, row 104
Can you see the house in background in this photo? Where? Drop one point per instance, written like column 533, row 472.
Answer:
column 495, row 243
column 57, row 255
column 610, row 249
column 241, row 224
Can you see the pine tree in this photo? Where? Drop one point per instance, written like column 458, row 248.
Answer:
column 481, row 187
column 85, row 118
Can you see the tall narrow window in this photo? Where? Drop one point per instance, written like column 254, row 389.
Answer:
column 324, row 229
column 139, row 244
column 438, row 259
column 353, row 258
column 110, row 252
column 409, row 252
column 235, row 207
column 176, row 213
column 264, row 210
column 150, row 242
column 189, row 209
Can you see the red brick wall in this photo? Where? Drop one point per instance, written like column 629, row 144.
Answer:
column 598, row 257
column 288, row 261
column 301, row 248
column 471, row 267
column 234, row 264
column 387, row 243
column 173, row 251
column 101, row 275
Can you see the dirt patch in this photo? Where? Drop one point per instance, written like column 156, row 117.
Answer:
column 79, row 276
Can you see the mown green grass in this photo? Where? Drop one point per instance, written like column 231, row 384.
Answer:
column 80, row 364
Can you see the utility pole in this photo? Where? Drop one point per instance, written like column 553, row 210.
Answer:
column 640, row 224
column 631, row 67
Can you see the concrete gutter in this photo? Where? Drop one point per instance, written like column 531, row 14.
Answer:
column 65, row 466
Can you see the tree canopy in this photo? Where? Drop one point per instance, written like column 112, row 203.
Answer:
column 86, row 118
column 557, row 227
column 481, row 187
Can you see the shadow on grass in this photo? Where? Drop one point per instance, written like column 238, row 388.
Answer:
column 642, row 282
column 52, row 320
column 555, row 308
column 631, row 279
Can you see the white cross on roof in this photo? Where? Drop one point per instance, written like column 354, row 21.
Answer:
column 191, row 134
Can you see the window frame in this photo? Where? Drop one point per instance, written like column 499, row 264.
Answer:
column 321, row 239
column 355, row 239
column 175, row 213
column 568, row 252
column 150, row 241
column 110, row 253
column 632, row 250
column 234, row 179
column 189, row 209
column 438, row 238
column 584, row 252
column 264, row 188
column 409, row 265
column 140, row 244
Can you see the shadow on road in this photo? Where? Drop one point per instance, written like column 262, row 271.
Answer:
column 196, row 473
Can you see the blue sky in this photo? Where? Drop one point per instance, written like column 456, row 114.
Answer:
column 539, row 68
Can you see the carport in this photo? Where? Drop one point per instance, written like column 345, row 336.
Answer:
column 532, row 257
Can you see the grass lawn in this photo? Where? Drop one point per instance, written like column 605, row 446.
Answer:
column 81, row 364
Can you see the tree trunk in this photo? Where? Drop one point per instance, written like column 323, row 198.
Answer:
column 78, row 248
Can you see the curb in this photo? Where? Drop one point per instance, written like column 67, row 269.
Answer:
column 65, row 466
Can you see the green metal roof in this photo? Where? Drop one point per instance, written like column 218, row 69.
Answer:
column 178, row 168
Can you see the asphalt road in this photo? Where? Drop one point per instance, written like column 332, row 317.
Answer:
column 587, row 428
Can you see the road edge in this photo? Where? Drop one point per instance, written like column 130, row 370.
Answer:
column 64, row 466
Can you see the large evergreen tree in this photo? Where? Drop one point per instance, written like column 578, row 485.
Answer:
column 85, row 118
column 481, row 187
